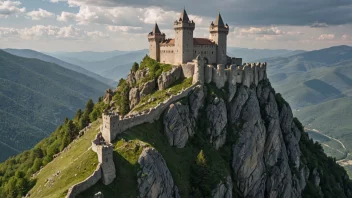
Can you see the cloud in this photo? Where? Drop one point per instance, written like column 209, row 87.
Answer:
column 8, row 8
column 39, row 14
column 57, row 1
column 50, row 32
column 326, row 37
column 124, row 29
column 319, row 25
column 244, row 12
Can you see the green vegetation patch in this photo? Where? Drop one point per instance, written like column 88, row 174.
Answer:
column 71, row 167
column 155, row 68
column 161, row 95
column 179, row 161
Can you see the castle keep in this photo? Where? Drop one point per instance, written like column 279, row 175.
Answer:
column 184, row 47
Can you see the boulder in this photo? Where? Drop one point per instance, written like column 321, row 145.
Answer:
column 217, row 117
column 134, row 97
column 148, row 88
column 179, row 124
column 140, row 74
column 130, row 79
column 168, row 78
column 154, row 178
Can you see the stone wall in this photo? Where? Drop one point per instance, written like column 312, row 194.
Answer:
column 114, row 124
column 105, row 169
column 84, row 185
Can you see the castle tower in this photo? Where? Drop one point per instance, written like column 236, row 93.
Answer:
column 218, row 33
column 183, row 39
column 154, row 38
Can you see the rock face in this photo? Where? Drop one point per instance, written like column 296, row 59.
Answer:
column 262, row 155
column 134, row 97
column 168, row 78
column 179, row 125
column 196, row 100
column 224, row 189
column 154, row 178
column 217, row 117
column 148, row 88
column 108, row 96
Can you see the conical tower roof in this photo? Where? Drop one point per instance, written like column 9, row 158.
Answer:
column 156, row 29
column 184, row 16
column 219, row 22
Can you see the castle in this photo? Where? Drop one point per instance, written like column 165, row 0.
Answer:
column 184, row 47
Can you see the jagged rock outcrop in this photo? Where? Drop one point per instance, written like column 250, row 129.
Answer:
column 196, row 100
column 134, row 97
column 217, row 117
column 223, row 189
column 179, row 124
column 130, row 79
column 154, row 178
column 140, row 74
column 261, row 158
column 108, row 96
column 168, row 78
column 148, row 88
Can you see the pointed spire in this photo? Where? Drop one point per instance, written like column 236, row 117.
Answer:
column 184, row 16
column 156, row 29
column 219, row 22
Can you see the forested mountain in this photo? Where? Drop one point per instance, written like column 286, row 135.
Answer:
column 35, row 97
column 27, row 53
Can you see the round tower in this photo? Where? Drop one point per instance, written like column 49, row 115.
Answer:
column 154, row 38
column 218, row 33
column 183, row 39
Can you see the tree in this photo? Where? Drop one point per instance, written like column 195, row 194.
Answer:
column 135, row 67
column 89, row 106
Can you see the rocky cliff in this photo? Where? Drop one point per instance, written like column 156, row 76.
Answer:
column 206, row 145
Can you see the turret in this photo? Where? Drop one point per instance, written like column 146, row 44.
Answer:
column 154, row 38
column 183, row 39
column 218, row 33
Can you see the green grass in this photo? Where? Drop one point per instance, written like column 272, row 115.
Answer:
column 179, row 161
column 162, row 95
column 75, row 164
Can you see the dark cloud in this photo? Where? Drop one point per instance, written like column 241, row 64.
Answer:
column 253, row 12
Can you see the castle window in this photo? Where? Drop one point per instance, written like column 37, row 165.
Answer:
column 212, row 52
column 195, row 51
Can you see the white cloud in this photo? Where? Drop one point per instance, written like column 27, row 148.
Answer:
column 326, row 37
column 57, row 1
column 42, row 32
column 8, row 8
column 123, row 28
column 39, row 14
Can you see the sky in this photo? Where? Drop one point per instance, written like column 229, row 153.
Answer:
column 104, row 25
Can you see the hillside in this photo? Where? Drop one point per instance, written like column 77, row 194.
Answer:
column 203, row 142
column 26, row 53
column 35, row 97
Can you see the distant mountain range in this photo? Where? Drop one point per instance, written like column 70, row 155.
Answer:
column 35, row 97
column 114, row 67
column 27, row 53
column 251, row 55
column 88, row 56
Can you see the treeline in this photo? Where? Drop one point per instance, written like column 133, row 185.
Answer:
column 16, row 172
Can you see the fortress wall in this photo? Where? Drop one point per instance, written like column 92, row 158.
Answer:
column 206, row 51
column 134, row 120
column 167, row 54
column 105, row 158
column 84, row 185
column 208, row 73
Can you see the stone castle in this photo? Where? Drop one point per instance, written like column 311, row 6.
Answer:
column 184, row 47
column 203, row 60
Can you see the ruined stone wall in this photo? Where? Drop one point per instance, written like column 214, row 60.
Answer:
column 113, row 124
column 84, row 185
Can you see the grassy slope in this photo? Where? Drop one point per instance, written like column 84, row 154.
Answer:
column 75, row 164
column 179, row 161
